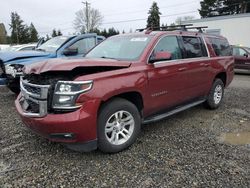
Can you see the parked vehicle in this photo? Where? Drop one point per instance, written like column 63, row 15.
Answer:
column 11, row 63
column 101, row 101
column 4, row 46
column 23, row 47
column 242, row 58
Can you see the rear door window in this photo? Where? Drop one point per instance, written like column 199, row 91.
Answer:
column 221, row 47
column 194, row 47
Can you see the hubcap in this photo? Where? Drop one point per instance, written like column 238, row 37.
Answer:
column 217, row 94
column 119, row 127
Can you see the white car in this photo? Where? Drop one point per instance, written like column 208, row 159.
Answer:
column 23, row 47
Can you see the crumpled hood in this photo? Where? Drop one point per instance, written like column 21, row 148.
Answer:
column 10, row 56
column 63, row 64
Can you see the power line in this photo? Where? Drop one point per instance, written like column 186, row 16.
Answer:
column 141, row 19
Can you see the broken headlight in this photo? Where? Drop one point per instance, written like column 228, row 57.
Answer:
column 67, row 92
column 14, row 69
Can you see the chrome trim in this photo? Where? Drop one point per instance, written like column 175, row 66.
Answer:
column 74, row 82
column 208, row 52
column 67, row 107
column 183, row 60
column 40, row 100
column 175, row 60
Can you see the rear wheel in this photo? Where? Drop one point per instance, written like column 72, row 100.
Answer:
column 119, row 124
column 215, row 95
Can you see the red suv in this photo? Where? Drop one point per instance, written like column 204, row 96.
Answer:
column 100, row 101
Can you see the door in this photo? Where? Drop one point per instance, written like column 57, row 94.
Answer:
column 167, row 79
column 242, row 58
column 83, row 45
column 199, row 75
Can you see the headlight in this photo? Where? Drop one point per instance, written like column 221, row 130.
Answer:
column 14, row 69
column 66, row 93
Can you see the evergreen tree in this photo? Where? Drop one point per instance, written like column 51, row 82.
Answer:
column 19, row 31
column 154, row 16
column 54, row 33
column 33, row 33
column 59, row 33
column 104, row 33
column 210, row 8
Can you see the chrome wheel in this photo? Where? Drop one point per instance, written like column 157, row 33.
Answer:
column 218, row 94
column 119, row 127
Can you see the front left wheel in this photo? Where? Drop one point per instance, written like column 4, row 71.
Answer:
column 119, row 124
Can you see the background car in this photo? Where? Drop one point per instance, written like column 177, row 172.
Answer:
column 23, row 47
column 11, row 63
column 242, row 58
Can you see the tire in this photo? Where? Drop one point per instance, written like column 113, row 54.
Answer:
column 117, row 117
column 216, row 95
column 14, row 89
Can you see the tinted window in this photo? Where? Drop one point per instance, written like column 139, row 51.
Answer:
column 169, row 44
column 221, row 47
column 84, row 45
column 193, row 47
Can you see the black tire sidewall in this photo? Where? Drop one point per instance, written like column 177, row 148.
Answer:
column 106, row 111
column 210, row 103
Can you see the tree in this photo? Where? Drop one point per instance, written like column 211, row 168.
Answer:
column 87, row 19
column 54, row 33
column 154, row 16
column 210, row 8
column 59, row 33
column 3, row 34
column 19, row 31
column 236, row 6
column 33, row 33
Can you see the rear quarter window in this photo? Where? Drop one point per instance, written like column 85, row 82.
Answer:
column 221, row 47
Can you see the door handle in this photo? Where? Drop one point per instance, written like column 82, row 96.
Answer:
column 182, row 69
column 204, row 64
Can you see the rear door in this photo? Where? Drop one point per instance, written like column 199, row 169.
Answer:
column 198, row 62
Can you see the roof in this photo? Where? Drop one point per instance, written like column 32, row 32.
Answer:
column 219, row 18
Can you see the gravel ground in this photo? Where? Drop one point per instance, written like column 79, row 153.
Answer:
column 185, row 150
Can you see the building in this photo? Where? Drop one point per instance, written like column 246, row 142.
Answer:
column 236, row 28
column 3, row 34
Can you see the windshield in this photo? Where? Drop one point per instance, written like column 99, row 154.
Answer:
column 53, row 44
column 121, row 47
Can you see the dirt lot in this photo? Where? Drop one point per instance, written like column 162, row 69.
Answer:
column 195, row 148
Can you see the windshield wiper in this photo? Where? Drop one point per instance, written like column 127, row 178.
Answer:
column 104, row 57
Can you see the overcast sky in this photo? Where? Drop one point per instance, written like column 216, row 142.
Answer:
column 60, row 14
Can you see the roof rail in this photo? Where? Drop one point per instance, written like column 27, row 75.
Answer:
column 183, row 27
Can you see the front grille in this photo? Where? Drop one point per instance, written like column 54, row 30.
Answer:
column 34, row 100
column 31, row 89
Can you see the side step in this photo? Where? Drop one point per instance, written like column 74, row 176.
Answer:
column 172, row 112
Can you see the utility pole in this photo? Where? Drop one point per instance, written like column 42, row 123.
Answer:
column 87, row 14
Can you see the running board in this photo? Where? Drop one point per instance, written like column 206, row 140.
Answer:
column 172, row 112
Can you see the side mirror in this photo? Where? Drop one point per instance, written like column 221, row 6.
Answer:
column 70, row 51
column 160, row 56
